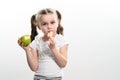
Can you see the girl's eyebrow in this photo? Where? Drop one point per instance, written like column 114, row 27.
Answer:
column 43, row 22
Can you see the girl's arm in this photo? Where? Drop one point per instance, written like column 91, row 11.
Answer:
column 31, row 55
column 60, row 55
column 32, row 59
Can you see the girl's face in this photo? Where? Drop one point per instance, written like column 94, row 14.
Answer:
column 47, row 23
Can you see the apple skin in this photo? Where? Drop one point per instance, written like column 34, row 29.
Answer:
column 25, row 40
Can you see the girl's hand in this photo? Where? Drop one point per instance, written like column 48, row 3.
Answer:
column 24, row 47
column 51, row 42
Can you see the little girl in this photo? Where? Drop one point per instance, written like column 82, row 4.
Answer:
column 47, row 55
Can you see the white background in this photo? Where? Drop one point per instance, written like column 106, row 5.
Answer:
column 92, row 28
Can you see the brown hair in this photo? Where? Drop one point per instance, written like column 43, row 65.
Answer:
column 60, row 28
column 33, row 27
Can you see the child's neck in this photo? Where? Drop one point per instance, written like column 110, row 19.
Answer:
column 45, row 38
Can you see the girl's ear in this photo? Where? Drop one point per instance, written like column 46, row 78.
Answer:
column 38, row 25
column 35, row 23
column 58, row 20
column 39, row 28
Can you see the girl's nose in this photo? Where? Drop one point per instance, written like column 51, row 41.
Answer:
column 49, row 26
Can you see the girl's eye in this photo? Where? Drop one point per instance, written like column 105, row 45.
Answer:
column 52, row 22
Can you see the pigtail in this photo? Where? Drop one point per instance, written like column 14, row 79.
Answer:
column 33, row 27
column 60, row 28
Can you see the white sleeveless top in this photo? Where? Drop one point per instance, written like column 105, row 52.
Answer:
column 47, row 65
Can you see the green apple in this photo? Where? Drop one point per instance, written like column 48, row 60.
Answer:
column 25, row 40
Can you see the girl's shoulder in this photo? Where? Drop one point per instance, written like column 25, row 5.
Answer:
column 38, row 37
column 61, row 39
